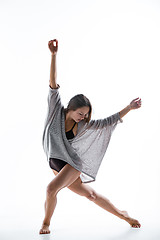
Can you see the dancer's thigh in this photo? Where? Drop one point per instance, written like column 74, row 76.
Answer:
column 64, row 178
column 80, row 188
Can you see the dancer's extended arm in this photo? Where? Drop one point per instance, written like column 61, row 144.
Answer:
column 53, row 70
column 135, row 104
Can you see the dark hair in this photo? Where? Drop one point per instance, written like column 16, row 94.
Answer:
column 79, row 101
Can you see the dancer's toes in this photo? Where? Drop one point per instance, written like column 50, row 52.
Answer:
column 44, row 229
column 136, row 224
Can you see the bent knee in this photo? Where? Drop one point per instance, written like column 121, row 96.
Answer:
column 51, row 190
column 92, row 196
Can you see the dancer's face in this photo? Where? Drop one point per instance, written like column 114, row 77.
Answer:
column 79, row 114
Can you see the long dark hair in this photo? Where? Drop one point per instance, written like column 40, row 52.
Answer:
column 79, row 101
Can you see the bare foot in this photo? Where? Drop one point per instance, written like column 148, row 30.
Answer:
column 44, row 229
column 133, row 222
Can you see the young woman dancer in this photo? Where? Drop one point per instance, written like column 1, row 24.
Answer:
column 75, row 146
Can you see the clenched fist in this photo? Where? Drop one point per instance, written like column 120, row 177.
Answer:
column 53, row 46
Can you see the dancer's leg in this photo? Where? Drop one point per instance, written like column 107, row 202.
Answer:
column 63, row 179
column 85, row 190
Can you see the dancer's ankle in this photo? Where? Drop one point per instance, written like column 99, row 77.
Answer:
column 46, row 223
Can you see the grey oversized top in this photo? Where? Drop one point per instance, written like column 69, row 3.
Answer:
column 86, row 150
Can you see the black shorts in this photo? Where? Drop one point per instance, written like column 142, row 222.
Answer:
column 56, row 164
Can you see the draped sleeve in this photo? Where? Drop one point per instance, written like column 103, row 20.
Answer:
column 54, row 102
column 105, row 123
column 92, row 142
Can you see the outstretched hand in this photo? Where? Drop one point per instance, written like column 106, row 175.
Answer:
column 136, row 103
column 53, row 48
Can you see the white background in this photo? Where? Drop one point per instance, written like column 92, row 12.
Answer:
column 110, row 52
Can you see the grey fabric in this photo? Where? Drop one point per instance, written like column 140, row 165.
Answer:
column 86, row 150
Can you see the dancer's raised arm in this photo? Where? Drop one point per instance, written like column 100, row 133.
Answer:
column 136, row 103
column 53, row 46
